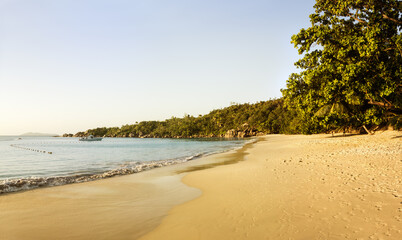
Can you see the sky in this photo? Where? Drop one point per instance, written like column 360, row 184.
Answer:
column 72, row 65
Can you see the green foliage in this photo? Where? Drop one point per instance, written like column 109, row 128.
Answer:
column 351, row 67
column 262, row 117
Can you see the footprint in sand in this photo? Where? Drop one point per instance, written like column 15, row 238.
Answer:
column 378, row 206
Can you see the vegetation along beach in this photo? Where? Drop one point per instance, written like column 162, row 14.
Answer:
column 201, row 120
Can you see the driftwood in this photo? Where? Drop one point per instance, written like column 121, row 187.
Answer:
column 370, row 132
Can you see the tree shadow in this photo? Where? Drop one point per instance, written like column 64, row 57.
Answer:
column 346, row 135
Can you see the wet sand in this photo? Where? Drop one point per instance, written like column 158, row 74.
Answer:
column 297, row 187
column 123, row 207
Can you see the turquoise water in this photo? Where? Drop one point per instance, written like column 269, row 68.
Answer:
column 27, row 163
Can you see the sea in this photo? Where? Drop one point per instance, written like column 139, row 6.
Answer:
column 32, row 162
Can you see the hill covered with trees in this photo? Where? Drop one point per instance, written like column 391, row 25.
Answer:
column 237, row 120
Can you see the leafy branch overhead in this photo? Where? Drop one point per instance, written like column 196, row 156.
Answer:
column 351, row 57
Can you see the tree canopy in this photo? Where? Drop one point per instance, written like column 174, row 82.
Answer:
column 351, row 65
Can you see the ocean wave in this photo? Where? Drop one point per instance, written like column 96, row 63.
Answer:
column 15, row 185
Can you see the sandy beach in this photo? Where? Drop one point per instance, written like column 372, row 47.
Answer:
column 298, row 187
column 282, row 187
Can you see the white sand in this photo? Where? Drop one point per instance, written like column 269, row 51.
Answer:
column 298, row 187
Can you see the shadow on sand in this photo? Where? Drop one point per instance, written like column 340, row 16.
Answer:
column 345, row 135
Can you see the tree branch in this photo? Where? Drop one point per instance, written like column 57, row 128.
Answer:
column 355, row 18
column 372, row 102
column 390, row 107
column 392, row 19
column 390, row 104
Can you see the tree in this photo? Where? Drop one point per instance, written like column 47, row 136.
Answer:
column 351, row 67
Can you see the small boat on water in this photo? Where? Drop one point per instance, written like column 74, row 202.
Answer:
column 90, row 138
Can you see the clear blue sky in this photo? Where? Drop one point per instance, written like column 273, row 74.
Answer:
column 70, row 65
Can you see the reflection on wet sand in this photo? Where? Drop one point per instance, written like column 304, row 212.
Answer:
column 231, row 158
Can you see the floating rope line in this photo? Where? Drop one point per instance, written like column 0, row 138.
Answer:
column 30, row 149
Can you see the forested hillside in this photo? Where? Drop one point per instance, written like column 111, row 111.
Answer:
column 238, row 120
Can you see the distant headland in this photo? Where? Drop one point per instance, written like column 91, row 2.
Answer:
column 34, row 134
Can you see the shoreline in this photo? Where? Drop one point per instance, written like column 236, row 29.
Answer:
column 297, row 187
column 8, row 186
column 121, row 207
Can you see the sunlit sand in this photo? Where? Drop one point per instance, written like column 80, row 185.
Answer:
column 282, row 187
